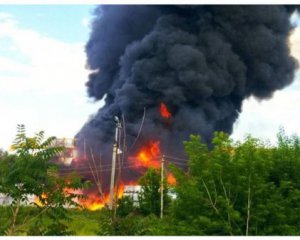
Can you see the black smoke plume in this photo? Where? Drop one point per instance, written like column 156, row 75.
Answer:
column 201, row 61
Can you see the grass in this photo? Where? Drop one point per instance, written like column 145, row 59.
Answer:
column 84, row 222
column 81, row 222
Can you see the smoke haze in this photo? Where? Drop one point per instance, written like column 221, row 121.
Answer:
column 200, row 61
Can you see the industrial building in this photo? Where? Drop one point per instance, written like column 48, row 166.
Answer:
column 7, row 200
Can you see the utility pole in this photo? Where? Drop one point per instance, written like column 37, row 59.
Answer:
column 162, row 187
column 84, row 149
column 113, row 166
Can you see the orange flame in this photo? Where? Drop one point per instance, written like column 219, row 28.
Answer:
column 148, row 156
column 94, row 202
column 164, row 112
column 38, row 201
column 171, row 179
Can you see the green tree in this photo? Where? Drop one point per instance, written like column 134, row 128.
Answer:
column 29, row 171
column 244, row 187
column 58, row 196
column 239, row 188
column 149, row 198
column 1, row 153
column 125, row 206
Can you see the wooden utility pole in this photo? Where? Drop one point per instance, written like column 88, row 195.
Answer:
column 162, row 187
column 84, row 149
column 113, row 166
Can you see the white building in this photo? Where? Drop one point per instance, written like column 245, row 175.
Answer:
column 132, row 192
column 7, row 200
column 69, row 153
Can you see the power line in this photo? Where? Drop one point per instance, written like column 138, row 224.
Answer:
column 107, row 166
column 87, row 168
column 177, row 163
column 105, row 170
column 89, row 171
column 177, row 158
column 83, row 166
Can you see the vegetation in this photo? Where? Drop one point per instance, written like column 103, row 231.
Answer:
column 229, row 188
column 232, row 188
column 80, row 222
column 29, row 172
column 149, row 198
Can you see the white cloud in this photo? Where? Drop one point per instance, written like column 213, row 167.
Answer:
column 263, row 118
column 295, row 43
column 49, row 61
column 86, row 22
column 41, row 83
column 6, row 17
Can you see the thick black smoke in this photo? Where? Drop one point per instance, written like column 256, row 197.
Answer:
column 201, row 61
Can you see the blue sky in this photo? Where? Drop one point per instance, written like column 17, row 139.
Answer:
column 63, row 22
column 42, row 77
column 42, row 69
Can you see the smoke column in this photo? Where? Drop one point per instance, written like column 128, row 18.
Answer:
column 200, row 61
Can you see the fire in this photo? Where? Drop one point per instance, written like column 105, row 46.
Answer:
column 94, row 202
column 148, row 156
column 164, row 112
column 95, row 206
column 38, row 201
column 171, row 179
column 120, row 191
column 73, row 191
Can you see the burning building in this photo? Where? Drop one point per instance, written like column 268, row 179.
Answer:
column 69, row 154
column 172, row 71
column 132, row 192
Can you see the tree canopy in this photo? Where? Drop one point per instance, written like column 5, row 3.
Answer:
column 29, row 171
column 247, row 187
column 234, row 188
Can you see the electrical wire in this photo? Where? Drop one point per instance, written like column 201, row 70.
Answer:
column 104, row 170
column 178, row 163
column 177, row 158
